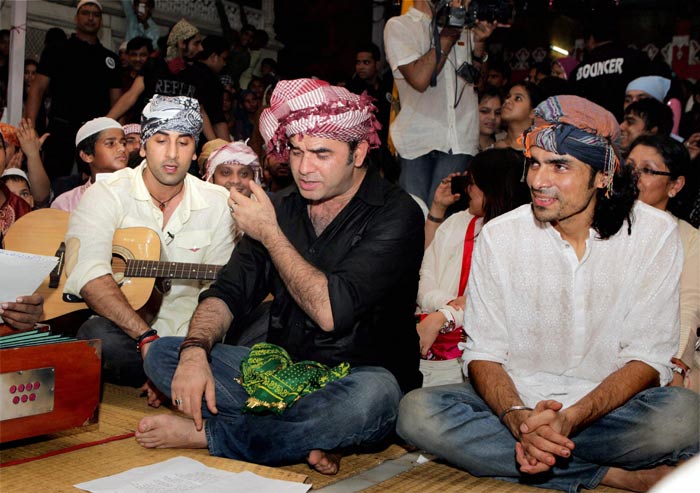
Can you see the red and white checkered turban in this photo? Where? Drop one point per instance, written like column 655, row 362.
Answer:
column 314, row 107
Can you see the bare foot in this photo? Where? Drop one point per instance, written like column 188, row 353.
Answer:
column 167, row 431
column 324, row 462
column 641, row 480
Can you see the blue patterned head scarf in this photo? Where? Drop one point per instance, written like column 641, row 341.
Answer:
column 575, row 126
column 174, row 113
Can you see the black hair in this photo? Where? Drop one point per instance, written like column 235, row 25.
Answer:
column 210, row 45
column 31, row 61
column 490, row 92
column 498, row 173
column 248, row 28
column 87, row 145
column 139, row 42
column 654, row 113
column 677, row 159
column 613, row 208
column 499, row 66
column 17, row 178
column 533, row 92
column 369, row 48
column 270, row 62
column 601, row 23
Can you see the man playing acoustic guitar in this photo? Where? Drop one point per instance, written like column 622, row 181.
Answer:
column 190, row 216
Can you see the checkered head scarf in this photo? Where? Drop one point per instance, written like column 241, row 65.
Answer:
column 174, row 113
column 575, row 126
column 181, row 31
column 314, row 107
column 233, row 153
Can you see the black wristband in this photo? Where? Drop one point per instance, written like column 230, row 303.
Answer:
column 196, row 342
column 148, row 333
column 435, row 219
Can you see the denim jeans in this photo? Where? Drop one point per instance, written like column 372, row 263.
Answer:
column 422, row 175
column 359, row 409
column 121, row 362
column 657, row 426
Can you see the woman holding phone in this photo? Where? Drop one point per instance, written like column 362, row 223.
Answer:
column 493, row 186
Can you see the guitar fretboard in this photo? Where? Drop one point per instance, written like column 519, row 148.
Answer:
column 170, row 270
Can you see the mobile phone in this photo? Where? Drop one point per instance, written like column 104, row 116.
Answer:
column 459, row 183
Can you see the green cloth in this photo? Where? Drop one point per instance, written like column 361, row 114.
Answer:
column 274, row 382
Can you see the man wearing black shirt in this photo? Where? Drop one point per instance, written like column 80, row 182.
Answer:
column 84, row 81
column 203, row 75
column 340, row 253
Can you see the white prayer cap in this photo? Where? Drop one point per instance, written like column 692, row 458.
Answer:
column 16, row 172
column 94, row 126
column 83, row 2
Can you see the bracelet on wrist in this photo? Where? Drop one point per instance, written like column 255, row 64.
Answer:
column 148, row 333
column 196, row 342
column 511, row 409
column 435, row 219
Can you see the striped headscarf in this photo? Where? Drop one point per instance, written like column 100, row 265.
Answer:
column 314, row 107
column 575, row 126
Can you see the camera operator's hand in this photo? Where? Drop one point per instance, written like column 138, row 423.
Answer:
column 448, row 37
column 483, row 29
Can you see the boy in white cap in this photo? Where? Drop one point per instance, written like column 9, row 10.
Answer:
column 100, row 145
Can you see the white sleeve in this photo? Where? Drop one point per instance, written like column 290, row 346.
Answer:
column 401, row 44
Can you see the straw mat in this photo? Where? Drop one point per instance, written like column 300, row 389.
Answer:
column 61, row 472
column 437, row 477
column 120, row 411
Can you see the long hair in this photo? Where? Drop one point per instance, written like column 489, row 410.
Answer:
column 613, row 208
column 498, row 172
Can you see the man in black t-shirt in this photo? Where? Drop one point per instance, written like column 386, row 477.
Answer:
column 608, row 67
column 84, row 80
column 203, row 75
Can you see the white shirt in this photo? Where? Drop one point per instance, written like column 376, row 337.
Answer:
column 200, row 230
column 559, row 326
column 429, row 120
column 441, row 269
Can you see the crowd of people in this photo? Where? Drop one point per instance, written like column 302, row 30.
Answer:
column 517, row 291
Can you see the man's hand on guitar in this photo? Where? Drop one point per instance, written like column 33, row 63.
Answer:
column 192, row 381
column 24, row 313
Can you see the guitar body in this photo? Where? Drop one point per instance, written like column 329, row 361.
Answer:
column 41, row 232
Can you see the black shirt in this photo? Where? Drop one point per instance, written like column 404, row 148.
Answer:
column 602, row 76
column 81, row 76
column 371, row 254
column 382, row 99
column 158, row 79
column 208, row 90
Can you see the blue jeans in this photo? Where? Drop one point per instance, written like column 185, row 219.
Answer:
column 121, row 362
column 359, row 409
column 422, row 175
column 657, row 426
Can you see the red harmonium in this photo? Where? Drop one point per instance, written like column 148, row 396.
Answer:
column 48, row 383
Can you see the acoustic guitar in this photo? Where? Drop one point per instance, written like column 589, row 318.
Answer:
column 135, row 260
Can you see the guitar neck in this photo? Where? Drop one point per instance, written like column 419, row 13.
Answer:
column 170, row 270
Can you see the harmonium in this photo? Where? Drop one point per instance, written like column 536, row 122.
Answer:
column 48, row 383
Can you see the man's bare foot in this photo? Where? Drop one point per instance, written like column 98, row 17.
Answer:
column 167, row 431
column 324, row 462
column 640, row 480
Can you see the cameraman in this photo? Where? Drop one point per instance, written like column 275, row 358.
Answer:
column 437, row 131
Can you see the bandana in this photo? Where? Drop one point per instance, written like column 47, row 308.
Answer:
column 181, row 31
column 174, row 113
column 655, row 86
column 9, row 134
column 314, row 107
column 233, row 153
column 576, row 126
column 132, row 128
column 94, row 126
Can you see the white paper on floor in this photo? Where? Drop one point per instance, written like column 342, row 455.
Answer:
column 187, row 475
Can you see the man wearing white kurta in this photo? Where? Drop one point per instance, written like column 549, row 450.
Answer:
column 573, row 317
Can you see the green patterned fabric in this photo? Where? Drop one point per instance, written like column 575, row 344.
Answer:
column 275, row 383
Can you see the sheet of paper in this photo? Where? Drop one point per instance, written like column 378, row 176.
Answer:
column 22, row 273
column 187, row 475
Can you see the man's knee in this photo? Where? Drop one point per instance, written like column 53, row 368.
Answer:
column 673, row 418
column 159, row 352
column 413, row 413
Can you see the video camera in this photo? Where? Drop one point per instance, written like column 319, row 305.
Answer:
column 446, row 15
